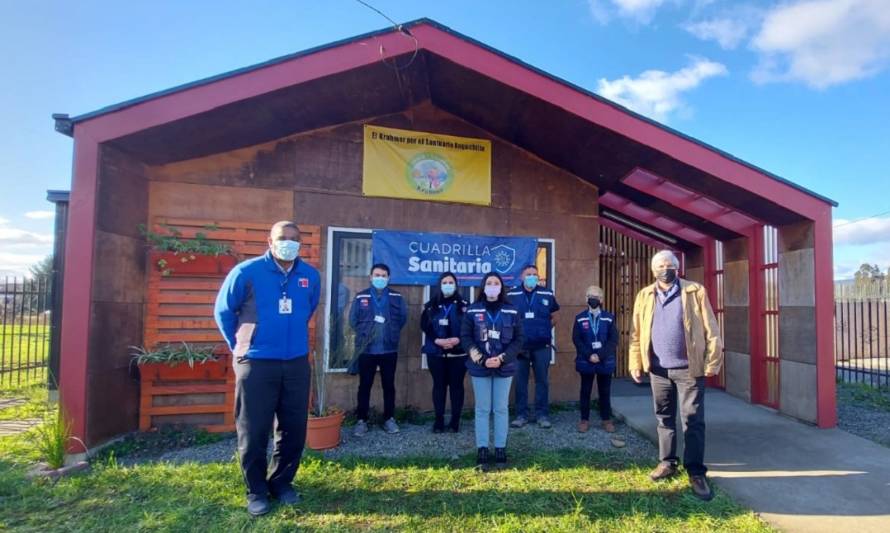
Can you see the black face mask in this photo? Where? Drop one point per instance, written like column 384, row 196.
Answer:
column 667, row 275
column 594, row 303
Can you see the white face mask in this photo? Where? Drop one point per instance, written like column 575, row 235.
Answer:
column 286, row 250
column 447, row 289
column 492, row 291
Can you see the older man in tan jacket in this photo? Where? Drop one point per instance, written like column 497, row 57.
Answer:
column 676, row 339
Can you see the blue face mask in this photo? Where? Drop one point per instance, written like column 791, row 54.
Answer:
column 531, row 281
column 286, row 250
column 447, row 289
column 379, row 283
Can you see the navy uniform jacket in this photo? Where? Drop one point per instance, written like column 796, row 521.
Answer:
column 474, row 333
column 585, row 332
column 431, row 324
column 369, row 333
column 541, row 302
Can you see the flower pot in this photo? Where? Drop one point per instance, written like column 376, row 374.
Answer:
column 323, row 432
column 190, row 264
column 210, row 370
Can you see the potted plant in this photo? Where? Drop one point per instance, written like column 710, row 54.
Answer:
column 175, row 256
column 181, row 362
column 323, row 427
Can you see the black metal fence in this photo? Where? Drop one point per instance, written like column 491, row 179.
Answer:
column 862, row 333
column 25, row 309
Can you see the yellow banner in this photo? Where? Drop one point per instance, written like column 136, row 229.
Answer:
column 426, row 166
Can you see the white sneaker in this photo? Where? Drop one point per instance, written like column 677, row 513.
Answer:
column 361, row 428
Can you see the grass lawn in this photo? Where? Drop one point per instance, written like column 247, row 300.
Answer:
column 547, row 491
column 863, row 394
column 24, row 350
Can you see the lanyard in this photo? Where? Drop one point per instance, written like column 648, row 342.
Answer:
column 447, row 310
column 377, row 305
column 594, row 323
column 531, row 300
column 494, row 321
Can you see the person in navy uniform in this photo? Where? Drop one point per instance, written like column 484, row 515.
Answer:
column 491, row 332
column 595, row 335
column 537, row 308
column 378, row 314
column 445, row 357
column 263, row 310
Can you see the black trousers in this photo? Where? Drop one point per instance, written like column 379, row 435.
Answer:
column 367, row 368
column 669, row 385
column 271, row 394
column 603, row 391
column 448, row 373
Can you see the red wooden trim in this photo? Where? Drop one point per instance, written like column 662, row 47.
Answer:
column 78, row 284
column 502, row 69
column 651, row 218
column 755, row 305
column 826, row 408
column 690, row 201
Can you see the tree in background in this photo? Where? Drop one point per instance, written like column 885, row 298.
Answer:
column 43, row 268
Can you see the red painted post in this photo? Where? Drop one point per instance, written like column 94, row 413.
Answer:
column 78, row 284
column 826, row 407
column 755, row 308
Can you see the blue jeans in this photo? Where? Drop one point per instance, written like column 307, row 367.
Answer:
column 492, row 395
column 540, row 360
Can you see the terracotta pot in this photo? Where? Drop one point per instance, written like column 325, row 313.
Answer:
column 189, row 264
column 211, row 370
column 323, row 432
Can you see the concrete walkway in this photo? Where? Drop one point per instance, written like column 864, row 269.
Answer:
column 796, row 476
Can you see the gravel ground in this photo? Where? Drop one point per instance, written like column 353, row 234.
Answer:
column 419, row 440
column 861, row 419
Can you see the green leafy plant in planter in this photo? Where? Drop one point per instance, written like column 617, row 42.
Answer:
column 184, row 250
column 173, row 354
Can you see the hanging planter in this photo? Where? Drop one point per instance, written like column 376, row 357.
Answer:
column 192, row 264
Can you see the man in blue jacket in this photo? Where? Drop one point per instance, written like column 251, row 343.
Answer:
column 263, row 310
column 378, row 314
column 537, row 308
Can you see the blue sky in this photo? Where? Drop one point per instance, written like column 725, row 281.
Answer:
column 798, row 87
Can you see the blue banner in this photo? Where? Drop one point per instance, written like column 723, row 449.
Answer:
column 420, row 258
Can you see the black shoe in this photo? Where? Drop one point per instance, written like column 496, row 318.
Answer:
column 454, row 425
column 454, row 429
column 287, row 496
column 482, row 459
column 701, row 488
column 438, row 425
column 500, row 458
column 258, row 505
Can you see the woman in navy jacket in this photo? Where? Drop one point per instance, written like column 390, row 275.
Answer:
column 491, row 333
column 595, row 336
column 445, row 357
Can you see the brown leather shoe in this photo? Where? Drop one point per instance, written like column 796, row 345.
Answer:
column 608, row 426
column 663, row 471
column 583, row 426
column 701, row 488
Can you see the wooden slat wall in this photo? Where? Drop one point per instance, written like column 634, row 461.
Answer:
column 181, row 309
column 624, row 270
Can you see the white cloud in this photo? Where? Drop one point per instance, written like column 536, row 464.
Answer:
column 40, row 215
column 866, row 231
column 3, row 221
column 823, row 42
column 641, row 11
column 11, row 236
column 726, row 31
column 12, row 264
column 656, row 93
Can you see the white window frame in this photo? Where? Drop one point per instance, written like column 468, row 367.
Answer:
column 329, row 271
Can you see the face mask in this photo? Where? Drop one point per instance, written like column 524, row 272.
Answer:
column 447, row 289
column 379, row 283
column 667, row 275
column 286, row 250
column 593, row 302
column 492, row 291
column 531, row 281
